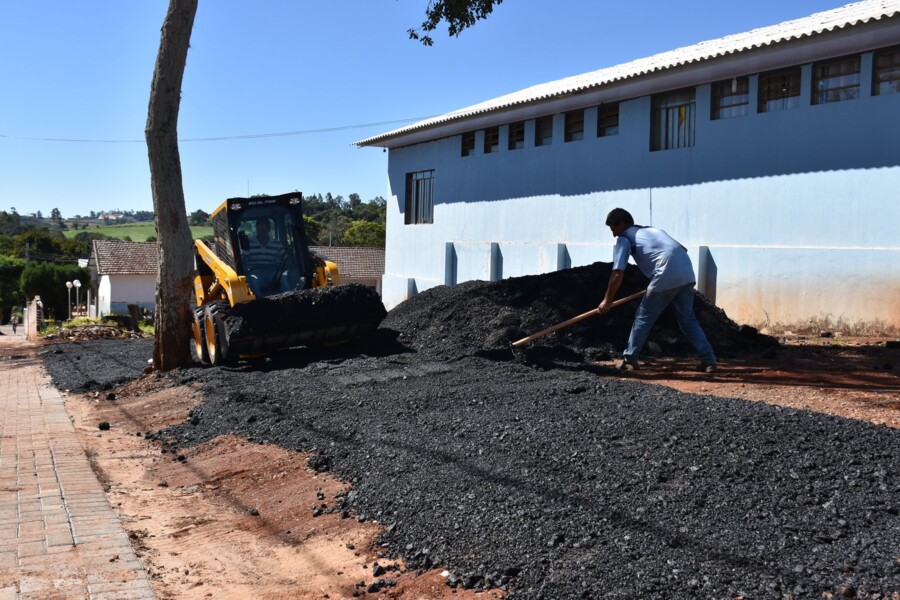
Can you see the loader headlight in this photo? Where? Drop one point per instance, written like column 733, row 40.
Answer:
column 294, row 201
column 236, row 206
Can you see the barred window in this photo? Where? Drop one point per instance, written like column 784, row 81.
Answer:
column 731, row 98
column 836, row 80
column 674, row 116
column 543, row 131
column 516, row 135
column 779, row 91
column 608, row 119
column 886, row 72
column 468, row 144
column 491, row 140
column 419, row 197
column 574, row 125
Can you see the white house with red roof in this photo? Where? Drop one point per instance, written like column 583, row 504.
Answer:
column 124, row 273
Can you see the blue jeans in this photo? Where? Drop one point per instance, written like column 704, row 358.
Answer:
column 652, row 305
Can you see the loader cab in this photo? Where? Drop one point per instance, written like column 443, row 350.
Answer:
column 271, row 249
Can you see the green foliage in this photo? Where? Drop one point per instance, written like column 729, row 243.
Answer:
column 458, row 14
column 313, row 231
column 48, row 280
column 12, row 223
column 10, row 272
column 365, row 233
column 80, row 322
column 198, row 218
column 45, row 244
column 332, row 217
column 90, row 236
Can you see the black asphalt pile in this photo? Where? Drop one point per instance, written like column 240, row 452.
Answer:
column 307, row 309
column 100, row 364
column 484, row 318
column 561, row 484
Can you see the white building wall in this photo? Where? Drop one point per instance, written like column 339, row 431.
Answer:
column 117, row 291
column 786, row 249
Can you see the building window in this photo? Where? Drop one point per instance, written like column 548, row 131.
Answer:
column 836, row 81
column 468, row 144
column 516, row 135
column 491, row 140
column 731, row 98
column 543, row 131
column 608, row 119
column 419, row 197
column 779, row 91
column 673, row 120
column 886, row 72
column 574, row 125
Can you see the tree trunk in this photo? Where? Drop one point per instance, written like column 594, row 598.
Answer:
column 174, row 284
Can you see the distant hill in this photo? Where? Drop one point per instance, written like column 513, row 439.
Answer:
column 136, row 232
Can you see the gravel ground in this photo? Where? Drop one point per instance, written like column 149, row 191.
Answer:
column 543, row 476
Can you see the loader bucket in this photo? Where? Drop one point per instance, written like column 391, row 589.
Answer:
column 305, row 318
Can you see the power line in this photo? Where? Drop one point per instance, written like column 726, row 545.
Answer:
column 222, row 138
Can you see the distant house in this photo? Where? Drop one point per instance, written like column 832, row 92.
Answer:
column 356, row 265
column 772, row 155
column 124, row 273
column 111, row 216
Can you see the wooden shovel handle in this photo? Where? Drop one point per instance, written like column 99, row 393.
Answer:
column 574, row 320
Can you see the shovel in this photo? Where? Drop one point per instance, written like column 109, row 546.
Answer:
column 574, row 320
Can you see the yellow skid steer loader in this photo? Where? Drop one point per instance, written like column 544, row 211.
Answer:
column 260, row 289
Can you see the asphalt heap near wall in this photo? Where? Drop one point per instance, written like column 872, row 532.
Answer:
column 484, row 318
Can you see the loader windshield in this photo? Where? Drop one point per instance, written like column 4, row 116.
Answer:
column 271, row 252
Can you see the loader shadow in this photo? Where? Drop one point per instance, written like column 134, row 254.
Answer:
column 383, row 343
column 547, row 358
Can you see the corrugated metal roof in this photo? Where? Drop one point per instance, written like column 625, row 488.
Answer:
column 118, row 257
column 354, row 261
column 818, row 23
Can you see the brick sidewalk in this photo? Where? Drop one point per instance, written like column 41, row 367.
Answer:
column 59, row 537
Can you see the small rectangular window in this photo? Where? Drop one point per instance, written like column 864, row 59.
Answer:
column 608, row 119
column 419, row 206
column 836, row 80
column 491, row 140
column 543, row 131
column 673, row 120
column 886, row 72
column 574, row 125
column 468, row 144
column 731, row 98
column 779, row 91
column 516, row 135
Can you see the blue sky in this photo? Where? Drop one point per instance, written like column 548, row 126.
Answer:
column 82, row 70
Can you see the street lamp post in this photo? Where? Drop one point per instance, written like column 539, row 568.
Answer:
column 77, row 285
column 69, row 286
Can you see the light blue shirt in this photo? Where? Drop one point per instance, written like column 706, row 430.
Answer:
column 657, row 255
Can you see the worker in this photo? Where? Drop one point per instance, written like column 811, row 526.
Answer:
column 15, row 323
column 666, row 263
column 264, row 261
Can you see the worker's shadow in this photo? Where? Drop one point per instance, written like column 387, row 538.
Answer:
column 545, row 358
